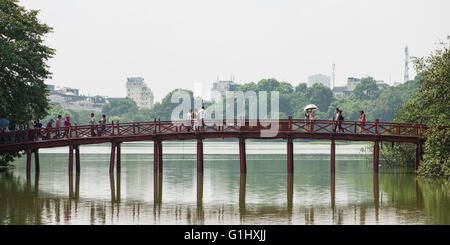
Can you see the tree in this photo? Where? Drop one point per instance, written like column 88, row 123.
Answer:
column 23, row 67
column 366, row 89
column 320, row 95
column 430, row 106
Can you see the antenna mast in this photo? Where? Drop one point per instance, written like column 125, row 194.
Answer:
column 406, row 77
column 333, row 76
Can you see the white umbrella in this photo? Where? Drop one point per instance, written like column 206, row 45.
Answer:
column 311, row 106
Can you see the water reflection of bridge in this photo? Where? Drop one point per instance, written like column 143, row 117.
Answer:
column 64, row 208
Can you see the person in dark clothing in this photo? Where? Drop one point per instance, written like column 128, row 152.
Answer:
column 336, row 118
column 340, row 119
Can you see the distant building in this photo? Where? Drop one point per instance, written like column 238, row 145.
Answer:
column 138, row 91
column 319, row 78
column 69, row 91
column 352, row 82
column 69, row 98
column 223, row 86
column 50, row 87
column 381, row 84
column 345, row 91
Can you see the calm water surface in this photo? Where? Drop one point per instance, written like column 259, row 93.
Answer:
column 265, row 195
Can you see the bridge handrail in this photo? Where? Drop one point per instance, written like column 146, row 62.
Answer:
column 217, row 125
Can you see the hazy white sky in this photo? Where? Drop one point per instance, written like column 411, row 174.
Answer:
column 173, row 44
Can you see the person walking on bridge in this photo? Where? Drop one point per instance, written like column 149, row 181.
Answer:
column 190, row 120
column 102, row 123
column 48, row 128
column 67, row 124
column 340, row 119
column 58, row 127
column 92, row 122
column 201, row 115
column 362, row 120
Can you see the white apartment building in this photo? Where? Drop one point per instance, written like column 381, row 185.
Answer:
column 138, row 91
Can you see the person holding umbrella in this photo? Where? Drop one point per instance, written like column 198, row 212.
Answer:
column 310, row 116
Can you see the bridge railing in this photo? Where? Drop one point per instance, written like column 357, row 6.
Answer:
column 156, row 127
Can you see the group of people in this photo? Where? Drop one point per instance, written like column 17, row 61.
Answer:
column 101, row 125
column 59, row 128
column 339, row 118
column 196, row 119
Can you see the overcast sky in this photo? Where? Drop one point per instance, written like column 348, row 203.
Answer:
column 175, row 44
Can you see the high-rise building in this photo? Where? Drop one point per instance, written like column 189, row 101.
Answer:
column 319, row 78
column 222, row 86
column 138, row 91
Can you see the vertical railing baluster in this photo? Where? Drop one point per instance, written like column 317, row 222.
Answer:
column 376, row 126
column 118, row 128
column 112, row 128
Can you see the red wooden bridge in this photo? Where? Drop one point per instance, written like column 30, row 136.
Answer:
column 115, row 133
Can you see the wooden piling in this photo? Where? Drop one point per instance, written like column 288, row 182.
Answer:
column 376, row 155
column 333, row 157
column 36, row 161
column 418, row 155
column 77, row 160
column 118, row 160
column 70, row 160
column 199, row 156
column 160, row 157
column 242, row 156
column 28, row 163
column 290, row 156
column 112, row 158
column 155, row 156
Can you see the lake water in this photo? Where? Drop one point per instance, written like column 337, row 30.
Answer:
column 265, row 195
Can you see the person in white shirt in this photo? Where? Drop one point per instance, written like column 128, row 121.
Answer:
column 201, row 115
column 92, row 123
column 190, row 120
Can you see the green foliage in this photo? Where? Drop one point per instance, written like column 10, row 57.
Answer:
column 367, row 89
column 430, row 105
column 23, row 68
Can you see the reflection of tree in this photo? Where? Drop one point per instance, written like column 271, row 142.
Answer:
column 436, row 199
column 17, row 204
column 406, row 193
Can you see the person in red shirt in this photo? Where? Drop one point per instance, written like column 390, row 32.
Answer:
column 362, row 120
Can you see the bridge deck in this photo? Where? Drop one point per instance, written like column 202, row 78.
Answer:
column 182, row 130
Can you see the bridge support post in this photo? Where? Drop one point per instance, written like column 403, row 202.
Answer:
column 199, row 156
column 155, row 156
column 160, row 157
column 77, row 160
column 36, row 161
column 28, row 163
column 112, row 158
column 333, row 157
column 376, row 155
column 418, row 155
column 70, row 160
column 242, row 156
column 118, row 167
column 290, row 156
